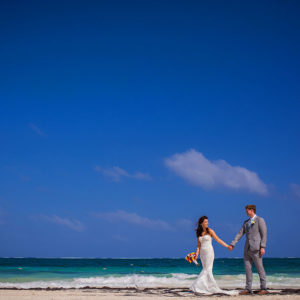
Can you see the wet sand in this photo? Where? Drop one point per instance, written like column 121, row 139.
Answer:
column 137, row 294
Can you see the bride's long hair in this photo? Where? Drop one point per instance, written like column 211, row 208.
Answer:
column 199, row 228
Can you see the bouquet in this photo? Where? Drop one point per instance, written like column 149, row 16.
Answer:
column 191, row 257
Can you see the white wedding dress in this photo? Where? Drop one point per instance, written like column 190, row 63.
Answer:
column 205, row 283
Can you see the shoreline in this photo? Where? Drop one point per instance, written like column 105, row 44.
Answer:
column 286, row 289
column 131, row 293
column 273, row 291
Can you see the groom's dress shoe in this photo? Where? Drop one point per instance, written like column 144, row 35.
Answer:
column 245, row 292
column 263, row 292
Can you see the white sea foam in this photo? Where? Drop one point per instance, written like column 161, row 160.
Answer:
column 175, row 280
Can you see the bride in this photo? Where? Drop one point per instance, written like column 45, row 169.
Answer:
column 205, row 283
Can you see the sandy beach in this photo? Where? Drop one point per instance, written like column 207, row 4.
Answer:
column 84, row 294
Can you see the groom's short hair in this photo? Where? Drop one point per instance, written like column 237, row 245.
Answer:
column 251, row 206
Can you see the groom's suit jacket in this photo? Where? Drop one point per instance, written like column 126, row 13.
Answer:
column 256, row 234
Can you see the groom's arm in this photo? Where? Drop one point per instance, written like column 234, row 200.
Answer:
column 263, row 232
column 238, row 236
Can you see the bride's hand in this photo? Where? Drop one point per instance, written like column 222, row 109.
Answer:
column 262, row 251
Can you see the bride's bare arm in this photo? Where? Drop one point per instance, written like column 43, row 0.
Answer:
column 198, row 247
column 213, row 234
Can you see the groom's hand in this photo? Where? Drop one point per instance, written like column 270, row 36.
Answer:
column 230, row 248
column 262, row 251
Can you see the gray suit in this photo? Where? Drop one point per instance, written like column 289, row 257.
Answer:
column 256, row 238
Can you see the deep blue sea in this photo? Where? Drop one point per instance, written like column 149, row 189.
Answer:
column 139, row 273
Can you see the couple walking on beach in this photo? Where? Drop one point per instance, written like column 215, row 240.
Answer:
column 256, row 237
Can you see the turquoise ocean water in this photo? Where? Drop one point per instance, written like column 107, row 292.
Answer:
column 139, row 273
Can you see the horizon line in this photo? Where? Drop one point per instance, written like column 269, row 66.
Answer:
column 75, row 257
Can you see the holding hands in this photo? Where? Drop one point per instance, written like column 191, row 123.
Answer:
column 262, row 251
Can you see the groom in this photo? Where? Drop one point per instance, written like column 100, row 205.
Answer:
column 256, row 237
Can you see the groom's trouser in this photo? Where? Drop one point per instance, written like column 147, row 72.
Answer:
column 249, row 258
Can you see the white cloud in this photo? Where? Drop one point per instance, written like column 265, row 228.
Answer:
column 185, row 224
column 72, row 224
column 37, row 130
column 141, row 176
column 116, row 173
column 295, row 189
column 197, row 169
column 133, row 218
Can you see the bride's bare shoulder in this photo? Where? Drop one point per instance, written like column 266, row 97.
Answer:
column 211, row 231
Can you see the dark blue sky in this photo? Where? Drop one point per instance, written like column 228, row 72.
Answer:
column 122, row 122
